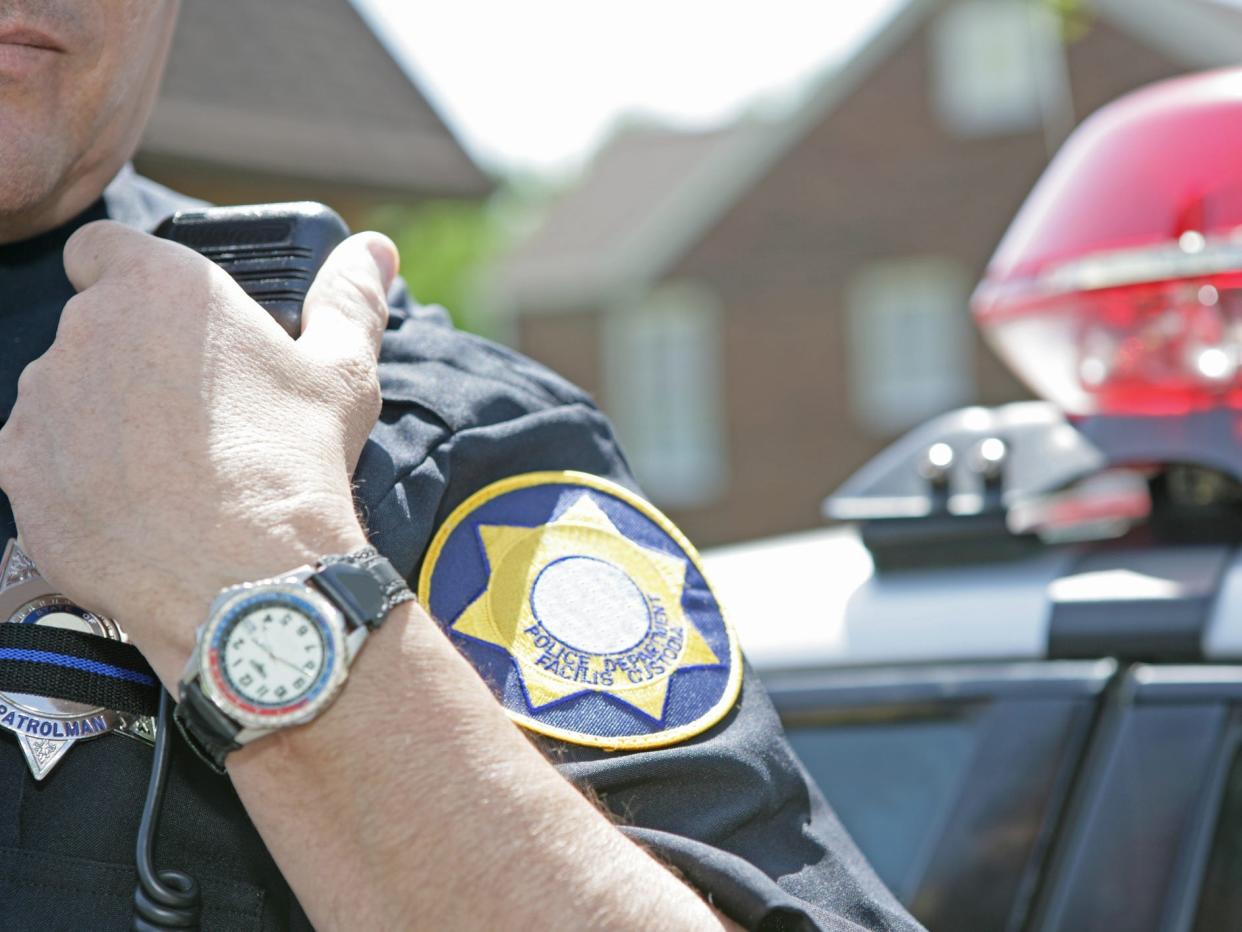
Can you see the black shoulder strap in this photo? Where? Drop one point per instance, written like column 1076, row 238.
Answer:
column 62, row 664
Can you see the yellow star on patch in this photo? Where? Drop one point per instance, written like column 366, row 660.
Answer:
column 582, row 608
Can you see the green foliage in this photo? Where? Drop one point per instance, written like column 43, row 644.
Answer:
column 1075, row 17
column 449, row 248
column 445, row 249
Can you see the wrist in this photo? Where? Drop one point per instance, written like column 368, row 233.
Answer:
column 368, row 690
column 275, row 652
column 171, row 615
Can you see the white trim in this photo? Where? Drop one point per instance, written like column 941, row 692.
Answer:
column 1195, row 32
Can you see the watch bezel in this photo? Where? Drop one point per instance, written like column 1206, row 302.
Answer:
column 212, row 679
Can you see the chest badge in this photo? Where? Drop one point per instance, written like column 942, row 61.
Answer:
column 585, row 610
column 46, row 727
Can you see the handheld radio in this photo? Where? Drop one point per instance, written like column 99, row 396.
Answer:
column 272, row 250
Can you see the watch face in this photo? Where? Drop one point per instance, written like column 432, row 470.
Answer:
column 273, row 655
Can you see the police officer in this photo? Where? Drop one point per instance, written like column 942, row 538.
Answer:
column 165, row 441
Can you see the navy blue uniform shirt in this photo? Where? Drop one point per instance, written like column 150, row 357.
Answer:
column 731, row 809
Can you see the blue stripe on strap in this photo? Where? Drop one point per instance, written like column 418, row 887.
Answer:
column 75, row 663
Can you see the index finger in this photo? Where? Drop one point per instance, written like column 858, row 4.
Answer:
column 102, row 247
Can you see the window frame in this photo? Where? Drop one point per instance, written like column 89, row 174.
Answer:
column 1214, row 692
column 893, row 383
column 955, row 82
column 688, row 305
column 1006, row 692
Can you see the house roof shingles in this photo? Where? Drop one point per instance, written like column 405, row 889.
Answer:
column 301, row 88
column 598, row 232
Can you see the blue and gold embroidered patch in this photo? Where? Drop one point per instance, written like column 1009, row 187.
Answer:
column 585, row 610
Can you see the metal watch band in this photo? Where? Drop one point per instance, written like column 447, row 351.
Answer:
column 363, row 585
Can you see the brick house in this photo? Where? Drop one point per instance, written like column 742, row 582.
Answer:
column 297, row 100
column 763, row 308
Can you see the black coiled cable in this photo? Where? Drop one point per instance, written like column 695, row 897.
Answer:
column 165, row 900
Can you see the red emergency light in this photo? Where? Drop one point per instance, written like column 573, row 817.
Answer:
column 1118, row 287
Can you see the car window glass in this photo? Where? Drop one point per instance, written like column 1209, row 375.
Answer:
column 1220, row 899
column 892, row 784
column 1135, row 828
column 953, row 802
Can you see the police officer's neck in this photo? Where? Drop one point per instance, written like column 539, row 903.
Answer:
column 76, row 191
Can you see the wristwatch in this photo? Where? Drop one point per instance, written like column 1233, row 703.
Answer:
column 276, row 652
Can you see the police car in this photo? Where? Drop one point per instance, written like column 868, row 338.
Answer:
column 1014, row 663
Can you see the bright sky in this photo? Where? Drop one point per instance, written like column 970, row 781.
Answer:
column 536, row 84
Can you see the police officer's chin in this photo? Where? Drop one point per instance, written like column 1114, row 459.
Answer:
column 77, row 80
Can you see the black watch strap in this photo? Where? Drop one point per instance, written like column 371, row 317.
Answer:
column 363, row 585
column 205, row 728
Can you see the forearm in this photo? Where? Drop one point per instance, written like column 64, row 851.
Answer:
column 414, row 802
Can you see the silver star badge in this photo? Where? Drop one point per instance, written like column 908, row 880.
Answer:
column 46, row 728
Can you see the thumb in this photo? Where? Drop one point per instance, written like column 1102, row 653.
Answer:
column 346, row 308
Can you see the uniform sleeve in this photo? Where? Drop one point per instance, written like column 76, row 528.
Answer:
column 735, row 812
column 732, row 809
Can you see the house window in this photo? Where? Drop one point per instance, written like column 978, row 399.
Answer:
column 664, row 391
column 998, row 66
column 911, row 346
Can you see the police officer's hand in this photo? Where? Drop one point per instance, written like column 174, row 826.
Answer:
column 175, row 440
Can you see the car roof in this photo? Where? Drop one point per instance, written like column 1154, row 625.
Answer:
column 814, row 599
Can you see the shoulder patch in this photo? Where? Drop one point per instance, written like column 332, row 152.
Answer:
column 585, row 610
